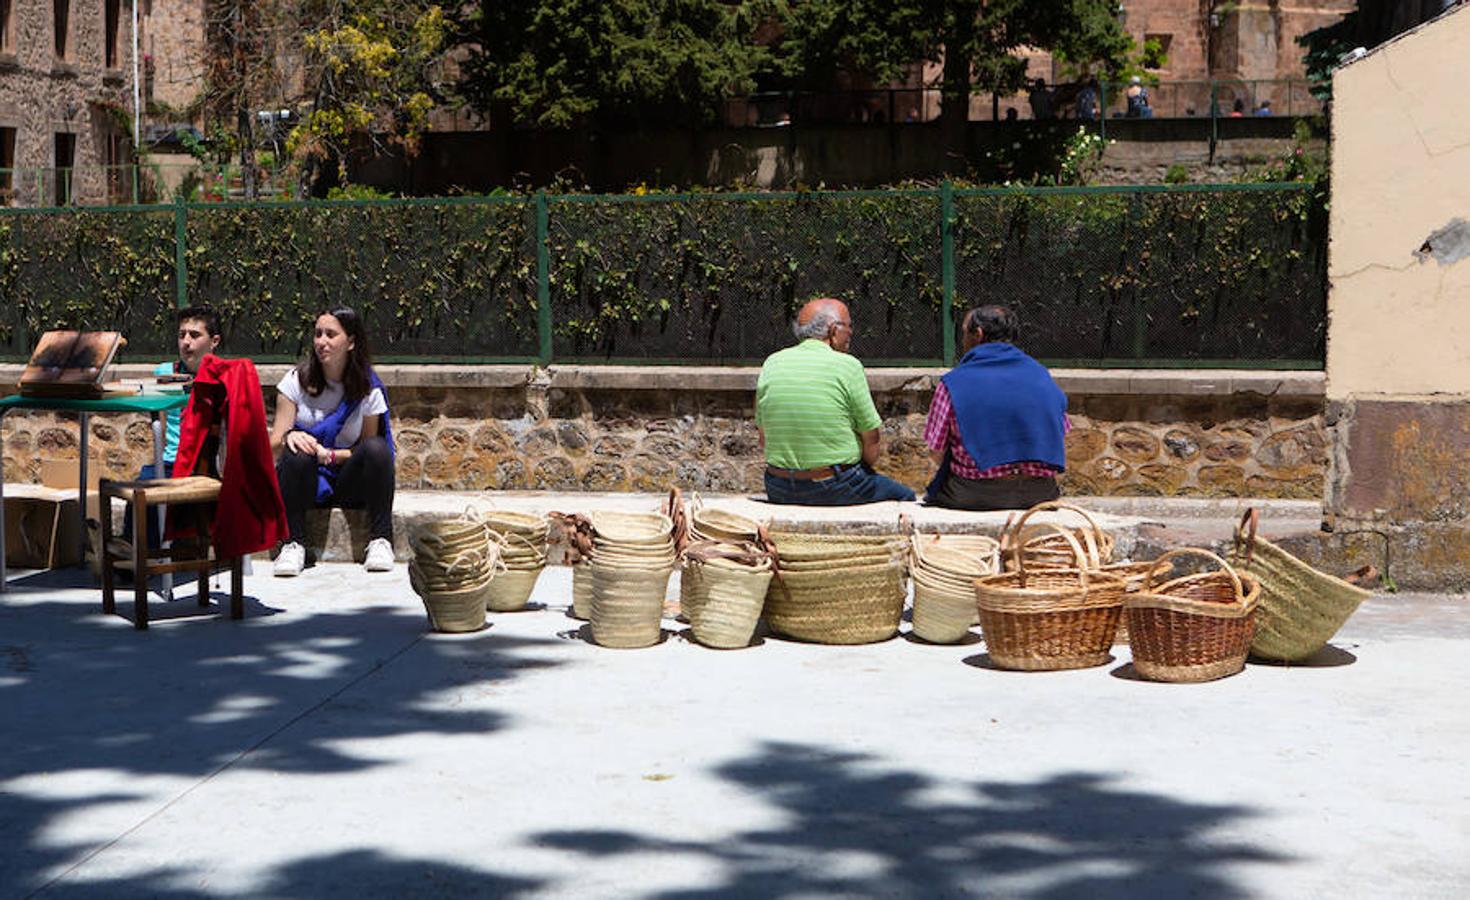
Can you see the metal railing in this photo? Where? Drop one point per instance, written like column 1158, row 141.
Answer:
column 1163, row 276
column 1167, row 99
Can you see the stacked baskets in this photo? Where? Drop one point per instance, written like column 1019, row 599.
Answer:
column 522, row 541
column 629, row 567
column 1052, row 618
column 1194, row 628
column 944, row 583
column 1301, row 608
column 454, row 562
column 836, row 589
column 727, row 570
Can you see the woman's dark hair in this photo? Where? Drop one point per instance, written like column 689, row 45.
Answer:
column 999, row 324
column 356, row 383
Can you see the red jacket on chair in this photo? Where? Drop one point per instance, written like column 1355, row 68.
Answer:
column 250, row 515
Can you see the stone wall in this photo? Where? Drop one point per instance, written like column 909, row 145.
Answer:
column 644, row 429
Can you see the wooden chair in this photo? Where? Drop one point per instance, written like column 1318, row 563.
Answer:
column 191, row 497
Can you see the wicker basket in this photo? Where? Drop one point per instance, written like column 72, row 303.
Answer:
column 582, row 591
column 451, row 611
column 1052, row 551
column 711, row 524
column 944, row 592
column 1301, row 608
column 837, row 605
column 627, row 604
column 1195, row 628
column 728, row 589
column 1052, row 618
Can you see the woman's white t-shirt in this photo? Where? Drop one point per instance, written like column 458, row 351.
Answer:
column 311, row 410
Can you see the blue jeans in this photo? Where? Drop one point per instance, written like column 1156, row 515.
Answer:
column 852, row 485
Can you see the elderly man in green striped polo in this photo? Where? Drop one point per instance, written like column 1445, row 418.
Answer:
column 817, row 422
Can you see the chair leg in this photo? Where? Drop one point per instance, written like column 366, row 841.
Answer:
column 140, row 561
column 109, row 598
column 237, row 588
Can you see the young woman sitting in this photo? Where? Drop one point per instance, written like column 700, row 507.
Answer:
column 332, row 440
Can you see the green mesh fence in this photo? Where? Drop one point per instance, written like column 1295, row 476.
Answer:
column 1128, row 276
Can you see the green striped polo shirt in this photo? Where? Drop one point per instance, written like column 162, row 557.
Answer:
column 811, row 401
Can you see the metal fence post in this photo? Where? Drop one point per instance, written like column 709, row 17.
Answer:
column 181, row 264
column 946, row 242
column 543, row 278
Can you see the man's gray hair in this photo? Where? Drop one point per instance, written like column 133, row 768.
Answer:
column 818, row 326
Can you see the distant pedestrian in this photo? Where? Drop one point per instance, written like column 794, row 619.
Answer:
column 1237, row 110
column 1087, row 101
column 1011, row 114
column 1264, row 109
column 1137, row 97
column 1041, row 99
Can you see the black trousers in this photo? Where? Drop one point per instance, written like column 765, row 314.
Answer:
column 980, row 494
column 364, row 481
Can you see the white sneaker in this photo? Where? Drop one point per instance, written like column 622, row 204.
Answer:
column 290, row 560
column 379, row 556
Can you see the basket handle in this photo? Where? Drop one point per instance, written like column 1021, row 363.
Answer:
column 1068, row 536
column 1092, row 534
column 1245, row 532
column 1148, row 578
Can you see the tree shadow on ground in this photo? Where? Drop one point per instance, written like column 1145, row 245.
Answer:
column 853, row 827
column 98, row 717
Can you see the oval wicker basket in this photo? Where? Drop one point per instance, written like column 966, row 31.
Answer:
column 1195, row 628
column 1301, row 608
column 837, row 605
column 944, row 592
column 631, row 528
column 712, row 524
column 1049, row 619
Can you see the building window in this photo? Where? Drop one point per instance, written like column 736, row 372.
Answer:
column 112, row 12
column 7, row 38
column 7, row 165
column 66, row 158
column 1156, row 50
column 61, row 25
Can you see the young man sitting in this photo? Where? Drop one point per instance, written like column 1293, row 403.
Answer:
column 198, row 334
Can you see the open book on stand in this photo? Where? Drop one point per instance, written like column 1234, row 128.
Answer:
column 71, row 364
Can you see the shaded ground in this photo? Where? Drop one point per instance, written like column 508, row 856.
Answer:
column 328, row 747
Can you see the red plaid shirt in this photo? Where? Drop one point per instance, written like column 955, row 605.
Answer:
column 943, row 431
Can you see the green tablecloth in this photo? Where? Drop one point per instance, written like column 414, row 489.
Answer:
column 135, row 403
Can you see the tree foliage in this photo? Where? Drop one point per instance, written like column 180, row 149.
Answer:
column 555, row 63
column 1372, row 23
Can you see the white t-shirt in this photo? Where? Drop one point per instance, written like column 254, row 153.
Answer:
column 311, row 410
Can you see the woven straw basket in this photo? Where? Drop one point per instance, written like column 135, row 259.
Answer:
column 840, row 605
column 1049, row 619
column 627, row 604
column 451, row 610
column 711, row 524
column 944, row 592
column 1301, row 608
column 524, row 559
column 729, row 591
column 582, row 591
column 1195, row 628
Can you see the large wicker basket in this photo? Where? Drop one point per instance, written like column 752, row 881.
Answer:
column 1195, row 628
column 1049, row 619
column 1301, row 608
column 1052, row 550
column 836, row 589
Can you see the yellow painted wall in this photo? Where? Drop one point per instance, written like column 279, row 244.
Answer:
column 1399, row 325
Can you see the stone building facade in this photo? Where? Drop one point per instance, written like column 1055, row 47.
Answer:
column 67, row 92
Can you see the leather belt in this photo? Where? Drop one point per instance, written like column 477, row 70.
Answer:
column 820, row 473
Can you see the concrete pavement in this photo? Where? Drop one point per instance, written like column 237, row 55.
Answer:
column 328, row 746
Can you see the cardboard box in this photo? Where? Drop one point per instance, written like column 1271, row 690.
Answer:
column 65, row 475
column 41, row 526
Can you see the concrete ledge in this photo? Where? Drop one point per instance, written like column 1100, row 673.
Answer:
column 1170, row 382
column 341, row 536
